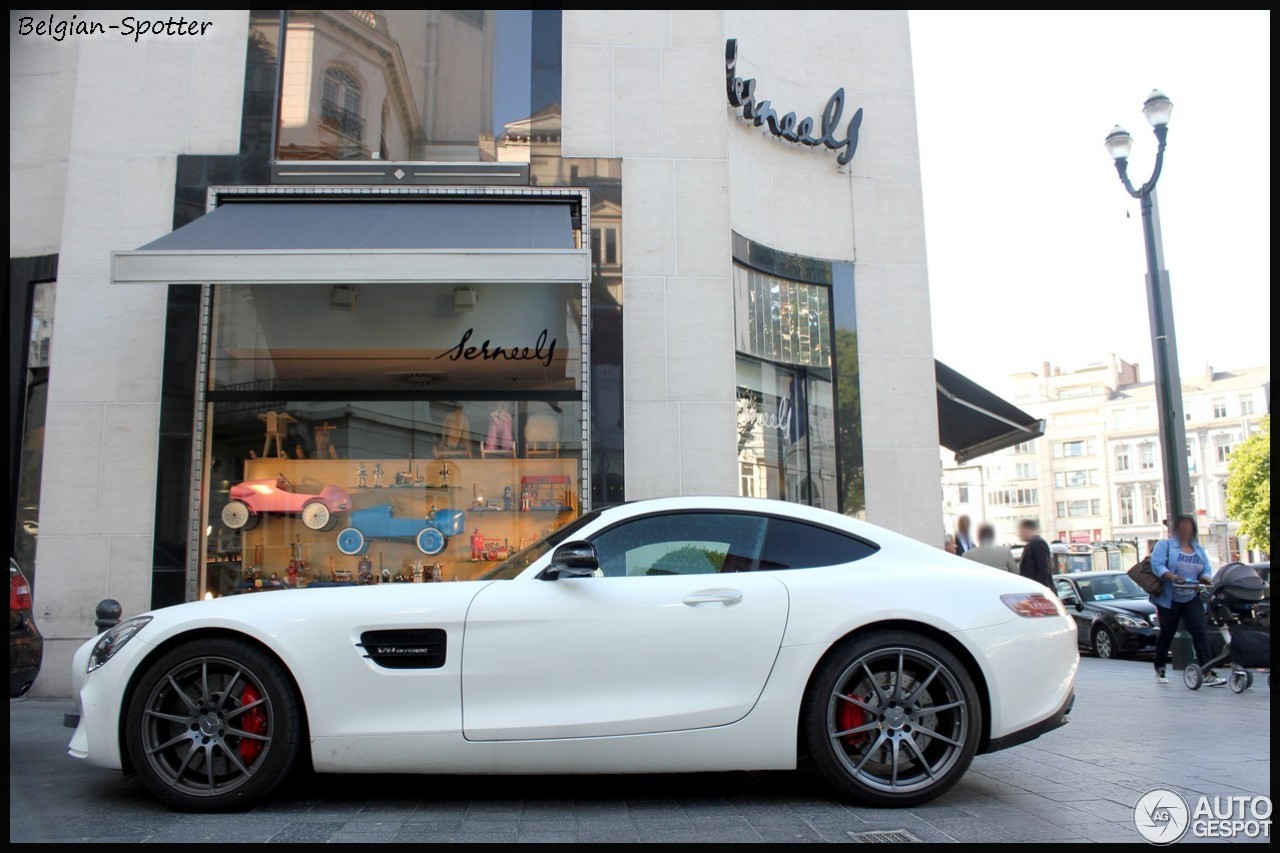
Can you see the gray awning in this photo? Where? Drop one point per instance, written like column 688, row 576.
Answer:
column 974, row 422
column 364, row 241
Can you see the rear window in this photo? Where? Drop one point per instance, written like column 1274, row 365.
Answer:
column 796, row 545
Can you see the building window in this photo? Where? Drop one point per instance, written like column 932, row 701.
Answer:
column 340, row 104
column 1025, row 447
column 962, row 494
column 1067, row 449
column 1152, row 506
column 1146, row 416
column 1125, row 502
column 1014, row 497
column 1147, row 456
column 1024, row 470
column 1074, row 509
column 604, row 246
column 1122, row 457
column 1095, row 507
column 1062, row 509
column 747, row 480
column 1246, row 404
column 1072, row 479
column 782, row 320
column 1119, row 419
column 1219, row 407
column 1222, row 449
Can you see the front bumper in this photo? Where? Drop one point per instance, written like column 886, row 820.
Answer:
column 1136, row 639
column 99, row 696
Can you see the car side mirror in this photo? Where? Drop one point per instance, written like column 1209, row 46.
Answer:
column 1072, row 601
column 572, row 560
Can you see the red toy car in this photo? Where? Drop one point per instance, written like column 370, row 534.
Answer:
column 250, row 499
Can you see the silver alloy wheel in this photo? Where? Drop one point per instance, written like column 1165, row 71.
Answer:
column 1102, row 645
column 194, row 730
column 911, row 719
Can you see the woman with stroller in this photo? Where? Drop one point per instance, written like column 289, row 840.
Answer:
column 1180, row 560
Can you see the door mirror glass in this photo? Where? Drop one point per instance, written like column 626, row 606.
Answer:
column 572, row 560
column 1069, row 600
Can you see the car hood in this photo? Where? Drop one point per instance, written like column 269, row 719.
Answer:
column 1140, row 606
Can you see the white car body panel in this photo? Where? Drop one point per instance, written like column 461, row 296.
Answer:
column 606, row 674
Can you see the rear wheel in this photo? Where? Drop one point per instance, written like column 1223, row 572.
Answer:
column 351, row 541
column 1240, row 681
column 892, row 719
column 236, row 515
column 1192, row 677
column 431, row 541
column 1104, row 643
column 214, row 724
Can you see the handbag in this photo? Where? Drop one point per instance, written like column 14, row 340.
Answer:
column 1143, row 576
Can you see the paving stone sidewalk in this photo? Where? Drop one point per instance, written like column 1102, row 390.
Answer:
column 1075, row 784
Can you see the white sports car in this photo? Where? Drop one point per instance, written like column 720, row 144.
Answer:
column 681, row 634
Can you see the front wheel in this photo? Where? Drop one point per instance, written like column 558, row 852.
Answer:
column 316, row 516
column 431, row 541
column 214, row 724
column 891, row 719
column 1240, row 681
column 1192, row 677
column 351, row 541
column 236, row 515
column 1104, row 643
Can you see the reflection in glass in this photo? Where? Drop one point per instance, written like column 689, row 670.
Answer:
column 783, row 320
column 435, row 85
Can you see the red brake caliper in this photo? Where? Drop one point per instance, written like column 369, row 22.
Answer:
column 850, row 716
column 253, row 721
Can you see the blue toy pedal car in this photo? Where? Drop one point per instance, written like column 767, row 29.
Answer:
column 431, row 533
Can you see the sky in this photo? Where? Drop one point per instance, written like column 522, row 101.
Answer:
column 1031, row 256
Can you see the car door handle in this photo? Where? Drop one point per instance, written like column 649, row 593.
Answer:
column 726, row 597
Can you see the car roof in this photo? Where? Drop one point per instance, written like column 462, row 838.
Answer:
column 1075, row 575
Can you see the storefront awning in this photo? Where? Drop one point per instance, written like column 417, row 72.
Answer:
column 974, row 422
column 365, row 242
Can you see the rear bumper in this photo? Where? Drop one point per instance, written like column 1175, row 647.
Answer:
column 26, row 651
column 1031, row 732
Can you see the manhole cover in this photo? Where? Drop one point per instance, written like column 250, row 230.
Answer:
column 884, row 836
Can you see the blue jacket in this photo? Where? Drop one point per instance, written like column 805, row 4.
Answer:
column 1164, row 559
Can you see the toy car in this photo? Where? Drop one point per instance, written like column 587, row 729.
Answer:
column 377, row 522
column 252, row 498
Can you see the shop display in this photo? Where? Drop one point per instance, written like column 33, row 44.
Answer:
column 250, row 500
column 277, row 425
column 501, row 436
column 542, row 436
column 324, row 447
column 377, row 476
column 362, row 477
column 431, row 533
column 550, row 492
column 456, row 435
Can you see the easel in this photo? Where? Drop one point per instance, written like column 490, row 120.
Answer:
column 277, row 425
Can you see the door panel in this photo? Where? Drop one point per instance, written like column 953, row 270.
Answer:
column 589, row 657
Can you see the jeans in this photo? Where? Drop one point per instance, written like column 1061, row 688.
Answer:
column 1192, row 614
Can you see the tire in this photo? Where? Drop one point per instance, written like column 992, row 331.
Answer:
column 853, row 729
column 1104, row 643
column 431, row 541
column 1192, row 677
column 1240, row 680
column 351, row 541
column 213, row 725
column 236, row 515
column 316, row 516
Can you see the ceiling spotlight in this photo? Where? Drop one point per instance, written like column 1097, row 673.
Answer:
column 465, row 298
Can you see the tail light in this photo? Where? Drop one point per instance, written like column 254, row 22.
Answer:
column 19, row 592
column 1032, row 605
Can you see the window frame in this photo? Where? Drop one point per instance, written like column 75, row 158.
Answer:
column 755, row 566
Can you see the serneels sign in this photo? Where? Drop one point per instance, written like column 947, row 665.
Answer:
column 742, row 93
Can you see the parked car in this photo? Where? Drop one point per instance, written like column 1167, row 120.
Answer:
column 431, row 532
column 26, row 646
column 1112, row 614
column 252, row 498
column 672, row 635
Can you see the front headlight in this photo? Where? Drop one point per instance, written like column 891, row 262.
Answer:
column 113, row 641
column 1131, row 622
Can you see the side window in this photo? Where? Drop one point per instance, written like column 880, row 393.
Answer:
column 796, row 545
column 700, row 543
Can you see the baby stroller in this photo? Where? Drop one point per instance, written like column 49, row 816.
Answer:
column 1239, row 605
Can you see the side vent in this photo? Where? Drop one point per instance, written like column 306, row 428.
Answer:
column 409, row 648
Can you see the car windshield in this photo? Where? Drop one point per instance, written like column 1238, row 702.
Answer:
column 1118, row 587
column 526, row 556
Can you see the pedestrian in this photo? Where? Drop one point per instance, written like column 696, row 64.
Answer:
column 1037, row 562
column 949, row 543
column 1180, row 560
column 989, row 553
column 964, row 542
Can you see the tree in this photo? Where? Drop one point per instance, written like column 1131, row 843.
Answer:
column 1249, row 487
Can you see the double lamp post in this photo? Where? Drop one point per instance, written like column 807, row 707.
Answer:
column 1168, row 381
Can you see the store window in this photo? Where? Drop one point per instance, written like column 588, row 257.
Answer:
column 387, row 433
column 799, row 417
column 28, row 415
column 419, row 85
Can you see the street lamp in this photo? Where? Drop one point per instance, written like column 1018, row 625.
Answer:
column 1164, row 345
